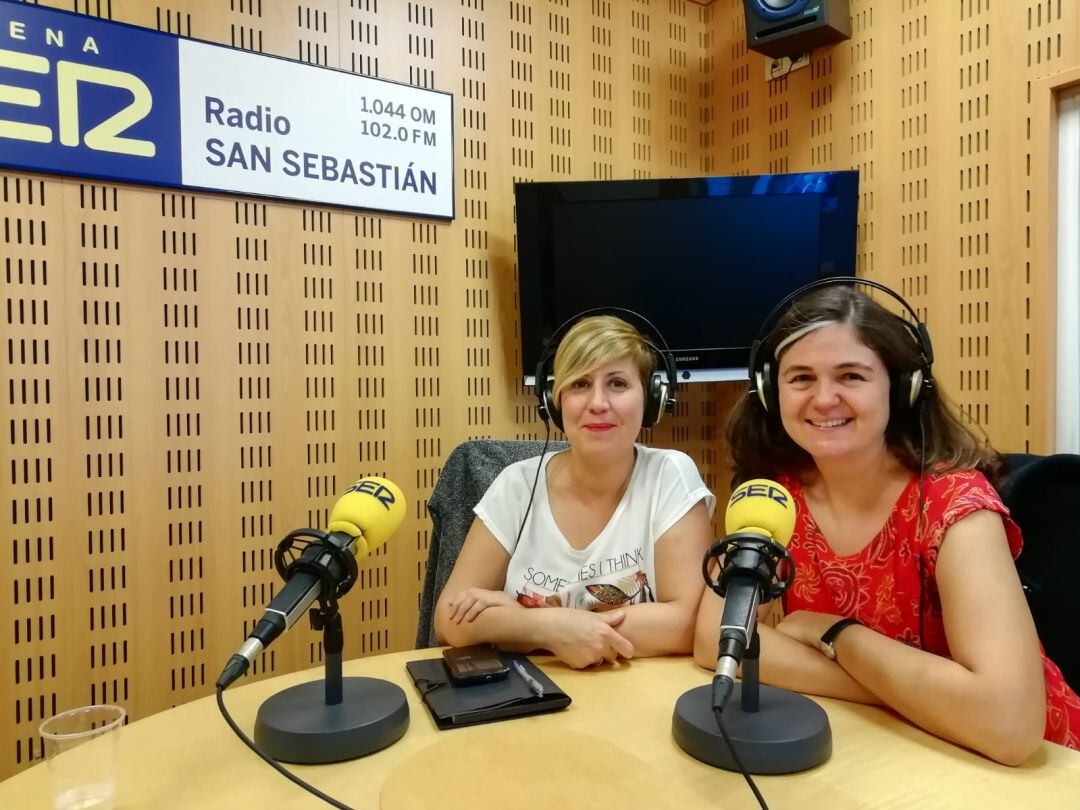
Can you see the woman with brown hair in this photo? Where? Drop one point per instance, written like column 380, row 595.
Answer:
column 905, row 592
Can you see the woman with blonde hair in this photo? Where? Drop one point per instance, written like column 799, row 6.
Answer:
column 592, row 553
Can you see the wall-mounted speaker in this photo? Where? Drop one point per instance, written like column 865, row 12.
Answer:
column 790, row 27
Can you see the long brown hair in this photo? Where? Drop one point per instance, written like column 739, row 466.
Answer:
column 761, row 448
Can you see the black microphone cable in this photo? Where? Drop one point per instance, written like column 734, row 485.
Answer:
column 719, row 713
column 536, row 478
column 269, row 760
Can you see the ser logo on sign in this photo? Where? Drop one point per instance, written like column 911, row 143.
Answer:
column 103, row 137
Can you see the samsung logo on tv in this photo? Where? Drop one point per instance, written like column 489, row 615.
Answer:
column 685, row 357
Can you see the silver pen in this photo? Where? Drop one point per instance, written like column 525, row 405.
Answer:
column 535, row 685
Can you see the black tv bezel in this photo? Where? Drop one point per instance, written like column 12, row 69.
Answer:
column 534, row 202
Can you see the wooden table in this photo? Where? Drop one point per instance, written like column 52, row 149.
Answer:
column 611, row 748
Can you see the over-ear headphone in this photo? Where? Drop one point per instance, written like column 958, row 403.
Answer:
column 659, row 391
column 905, row 386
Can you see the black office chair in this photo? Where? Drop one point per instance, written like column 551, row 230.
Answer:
column 468, row 472
column 1043, row 494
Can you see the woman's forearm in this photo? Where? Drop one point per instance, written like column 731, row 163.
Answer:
column 509, row 628
column 579, row 638
column 792, row 665
column 659, row 628
column 941, row 695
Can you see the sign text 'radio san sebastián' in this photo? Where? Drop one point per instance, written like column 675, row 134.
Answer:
column 313, row 165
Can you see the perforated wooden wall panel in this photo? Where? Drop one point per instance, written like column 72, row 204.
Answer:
column 187, row 377
column 930, row 101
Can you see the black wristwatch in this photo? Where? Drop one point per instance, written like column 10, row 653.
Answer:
column 827, row 642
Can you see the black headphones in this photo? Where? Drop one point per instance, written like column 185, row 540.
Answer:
column 905, row 386
column 659, row 392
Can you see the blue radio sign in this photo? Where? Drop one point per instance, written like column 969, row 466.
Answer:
column 93, row 98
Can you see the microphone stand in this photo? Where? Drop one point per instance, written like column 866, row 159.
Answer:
column 774, row 731
column 750, row 693
column 333, row 644
column 340, row 718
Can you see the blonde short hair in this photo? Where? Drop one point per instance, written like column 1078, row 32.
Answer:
column 596, row 341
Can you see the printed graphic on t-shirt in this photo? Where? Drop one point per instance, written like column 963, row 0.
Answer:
column 600, row 585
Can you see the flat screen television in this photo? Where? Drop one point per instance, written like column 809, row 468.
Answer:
column 704, row 259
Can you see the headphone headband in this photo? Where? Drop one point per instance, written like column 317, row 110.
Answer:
column 906, row 387
column 653, row 339
column 918, row 329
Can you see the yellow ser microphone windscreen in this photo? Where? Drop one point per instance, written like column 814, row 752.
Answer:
column 370, row 510
column 761, row 506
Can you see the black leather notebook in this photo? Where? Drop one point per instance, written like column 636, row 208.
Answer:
column 453, row 706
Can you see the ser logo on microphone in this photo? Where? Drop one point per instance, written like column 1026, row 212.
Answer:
column 369, row 487
column 760, row 491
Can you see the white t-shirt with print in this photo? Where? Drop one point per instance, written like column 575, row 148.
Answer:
column 618, row 566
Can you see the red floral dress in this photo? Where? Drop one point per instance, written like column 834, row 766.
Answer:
column 890, row 585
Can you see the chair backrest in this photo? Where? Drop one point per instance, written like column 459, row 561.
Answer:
column 1043, row 495
column 468, row 472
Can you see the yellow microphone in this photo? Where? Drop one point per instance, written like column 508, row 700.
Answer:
column 370, row 511
column 761, row 507
column 364, row 518
column 759, row 521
